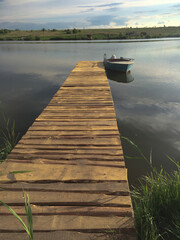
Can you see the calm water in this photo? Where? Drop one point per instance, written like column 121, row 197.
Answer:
column 148, row 108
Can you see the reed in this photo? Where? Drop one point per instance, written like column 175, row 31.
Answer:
column 156, row 203
column 29, row 227
column 8, row 137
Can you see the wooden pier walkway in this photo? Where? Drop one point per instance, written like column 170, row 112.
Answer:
column 77, row 182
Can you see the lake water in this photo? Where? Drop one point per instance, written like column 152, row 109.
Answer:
column 148, row 108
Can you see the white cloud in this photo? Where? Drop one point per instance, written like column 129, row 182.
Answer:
column 170, row 19
column 142, row 3
column 46, row 11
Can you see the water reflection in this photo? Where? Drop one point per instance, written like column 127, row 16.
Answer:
column 118, row 76
column 24, row 96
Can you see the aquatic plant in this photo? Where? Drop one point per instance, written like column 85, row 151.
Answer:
column 8, row 137
column 156, row 202
column 157, row 206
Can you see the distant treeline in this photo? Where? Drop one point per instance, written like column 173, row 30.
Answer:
column 89, row 34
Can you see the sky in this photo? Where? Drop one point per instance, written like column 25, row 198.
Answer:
column 63, row 14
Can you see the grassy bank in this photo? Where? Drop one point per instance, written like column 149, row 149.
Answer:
column 86, row 34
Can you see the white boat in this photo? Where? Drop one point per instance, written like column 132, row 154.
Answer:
column 118, row 64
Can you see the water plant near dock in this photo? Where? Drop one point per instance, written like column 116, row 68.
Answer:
column 157, row 202
column 8, row 136
column 157, row 206
column 29, row 227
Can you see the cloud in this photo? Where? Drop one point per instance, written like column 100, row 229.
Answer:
column 147, row 3
column 176, row 6
column 161, row 22
column 102, row 5
column 146, row 11
column 100, row 13
column 100, row 20
column 38, row 26
column 88, row 10
column 107, row 21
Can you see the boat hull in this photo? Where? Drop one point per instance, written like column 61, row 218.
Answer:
column 124, row 67
column 119, row 76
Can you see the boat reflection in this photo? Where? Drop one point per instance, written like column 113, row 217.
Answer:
column 119, row 76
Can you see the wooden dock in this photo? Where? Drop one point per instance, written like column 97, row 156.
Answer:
column 77, row 182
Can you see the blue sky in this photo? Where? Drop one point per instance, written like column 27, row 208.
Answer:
column 35, row 14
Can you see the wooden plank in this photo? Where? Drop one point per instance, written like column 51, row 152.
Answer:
column 73, row 117
column 70, row 120
column 80, row 108
column 70, row 128
column 63, row 147
column 87, row 133
column 77, row 223
column 59, row 235
column 75, row 152
column 111, row 164
column 58, row 128
column 94, row 88
column 71, row 210
column 67, row 157
column 115, row 141
column 97, row 122
column 78, row 112
column 65, row 198
column 61, row 172
column 113, row 188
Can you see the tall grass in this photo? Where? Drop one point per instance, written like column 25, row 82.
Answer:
column 8, row 137
column 157, row 206
column 29, row 227
column 156, row 203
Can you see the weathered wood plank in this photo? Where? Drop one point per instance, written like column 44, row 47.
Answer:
column 98, row 211
column 60, row 172
column 65, row 198
column 111, row 164
column 97, row 122
column 78, row 141
column 59, row 235
column 67, row 157
column 63, row 147
column 117, row 188
column 76, row 223
column 75, row 152
column 69, row 132
column 85, row 120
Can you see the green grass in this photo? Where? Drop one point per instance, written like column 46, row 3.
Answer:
column 8, row 137
column 156, row 203
column 29, row 227
column 157, row 206
column 96, row 34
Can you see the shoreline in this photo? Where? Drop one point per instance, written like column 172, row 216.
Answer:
column 89, row 34
column 94, row 41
